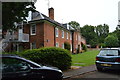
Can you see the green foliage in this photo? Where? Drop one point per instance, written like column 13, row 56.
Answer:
column 15, row 12
column 117, row 33
column 102, row 32
column 111, row 41
column 58, row 57
column 88, row 32
column 102, row 45
column 95, row 35
column 84, row 47
column 14, row 53
column 67, row 46
column 75, row 25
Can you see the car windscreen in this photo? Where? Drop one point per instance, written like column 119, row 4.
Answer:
column 109, row 53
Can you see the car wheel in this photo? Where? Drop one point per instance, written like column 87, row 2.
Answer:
column 99, row 69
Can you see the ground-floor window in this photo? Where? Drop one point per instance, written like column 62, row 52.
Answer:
column 57, row 44
column 33, row 45
column 71, row 47
column 63, row 45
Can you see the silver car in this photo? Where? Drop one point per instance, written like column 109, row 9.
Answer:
column 108, row 58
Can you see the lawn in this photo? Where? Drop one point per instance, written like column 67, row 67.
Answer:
column 84, row 59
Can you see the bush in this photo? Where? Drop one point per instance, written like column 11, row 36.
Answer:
column 111, row 41
column 67, row 46
column 84, row 47
column 58, row 57
column 13, row 53
column 102, row 45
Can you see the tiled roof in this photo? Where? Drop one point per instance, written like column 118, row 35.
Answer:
column 39, row 16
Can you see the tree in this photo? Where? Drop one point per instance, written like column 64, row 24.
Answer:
column 15, row 12
column 117, row 33
column 88, row 32
column 102, row 32
column 75, row 25
column 111, row 41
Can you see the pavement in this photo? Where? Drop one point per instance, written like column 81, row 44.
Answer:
column 75, row 70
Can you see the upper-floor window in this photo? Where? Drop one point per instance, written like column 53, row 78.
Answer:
column 67, row 35
column 70, row 36
column 33, row 29
column 79, row 37
column 76, row 37
column 56, row 32
column 62, row 34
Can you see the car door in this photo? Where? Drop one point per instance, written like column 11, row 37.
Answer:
column 14, row 69
column 17, row 69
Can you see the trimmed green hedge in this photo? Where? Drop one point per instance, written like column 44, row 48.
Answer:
column 58, row 57
column 67, row 45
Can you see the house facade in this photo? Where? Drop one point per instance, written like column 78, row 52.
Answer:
column 44, row 31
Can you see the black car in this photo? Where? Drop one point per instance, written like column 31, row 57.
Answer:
column 108, row 58
column 18, row 68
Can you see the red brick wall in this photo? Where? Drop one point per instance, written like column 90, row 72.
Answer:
column 38, row 38
column 48, row 35
column 26, row 29
column 45, row 35
column 76, row 41
column 61, row 40
column 51, row 13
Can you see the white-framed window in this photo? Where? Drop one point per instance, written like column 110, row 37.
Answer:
column 67, row 35
column 33, row 45
column 76, row 37
column 57, row 44
column 33, row 29
column 63, row 45
column 70, row 36
column 79, row 37
column 71, row 47
column 56, row 32
column 62, row 33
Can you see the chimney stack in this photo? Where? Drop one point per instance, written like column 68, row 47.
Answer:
column 51, row 13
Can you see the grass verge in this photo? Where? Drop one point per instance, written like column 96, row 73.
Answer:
column 84, row 59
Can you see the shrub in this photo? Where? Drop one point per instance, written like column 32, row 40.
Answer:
column 67, row 45
column 84, row 47
column 58, row 57
column 14, row 53
column 111, row 41
column 102, row 45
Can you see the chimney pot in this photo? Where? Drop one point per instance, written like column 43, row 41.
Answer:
column 51, row 13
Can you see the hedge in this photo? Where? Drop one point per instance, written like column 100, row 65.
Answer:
column 67, row 45
column 57, row 57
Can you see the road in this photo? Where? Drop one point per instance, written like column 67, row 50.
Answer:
column 106, row 75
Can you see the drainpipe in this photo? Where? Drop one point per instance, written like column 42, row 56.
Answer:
column 72, row 41
column 54, row 38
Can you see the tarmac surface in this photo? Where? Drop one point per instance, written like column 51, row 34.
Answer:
column 75, row 70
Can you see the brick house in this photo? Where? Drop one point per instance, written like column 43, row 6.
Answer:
column 44, row 31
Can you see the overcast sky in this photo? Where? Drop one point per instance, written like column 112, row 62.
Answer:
column 91, row 12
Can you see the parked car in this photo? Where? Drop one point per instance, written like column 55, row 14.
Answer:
column 108, row 58
column 18, row 68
